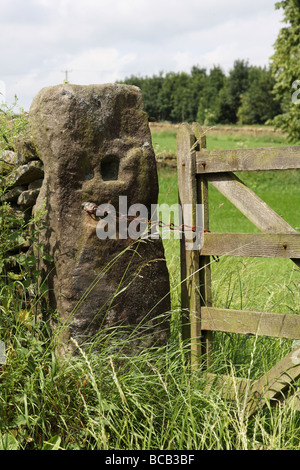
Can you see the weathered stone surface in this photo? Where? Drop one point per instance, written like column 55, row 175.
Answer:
column 37, row 184
column 25, row 150
column 25, row 174
column 27, row 198
column 95, row 144
column 13, row 194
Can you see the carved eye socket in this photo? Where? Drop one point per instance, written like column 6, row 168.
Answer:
column 110, row 168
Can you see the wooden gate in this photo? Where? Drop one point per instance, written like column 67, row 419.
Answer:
column 197, row 167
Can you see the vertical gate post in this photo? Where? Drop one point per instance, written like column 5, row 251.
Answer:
column 204, row 261
column 190, row 278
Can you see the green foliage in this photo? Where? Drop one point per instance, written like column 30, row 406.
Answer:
column 231, row 94
column 210, row 98
column 151, row 88
column 208, row 112
column 19, row 244
column 285, row 64
column 257, row 102
column 13, row 123
column 177, row 97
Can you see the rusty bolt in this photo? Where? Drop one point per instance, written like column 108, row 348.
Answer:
column 284, row 245
column 183, row 164
column 203, row 164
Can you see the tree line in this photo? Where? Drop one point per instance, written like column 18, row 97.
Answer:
column 244, row 96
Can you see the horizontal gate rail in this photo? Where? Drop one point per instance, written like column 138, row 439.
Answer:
column 230, row 387
column 268, row 245
column 274, row 158
column 275, row 383
column 278, row 325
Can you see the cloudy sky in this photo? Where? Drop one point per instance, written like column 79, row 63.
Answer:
column 102, row 41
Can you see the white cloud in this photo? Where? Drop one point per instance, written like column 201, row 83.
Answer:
column 92, row 64
column 106, row 40
column 247, row 39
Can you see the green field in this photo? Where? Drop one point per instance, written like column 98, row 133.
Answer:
column 164, row 138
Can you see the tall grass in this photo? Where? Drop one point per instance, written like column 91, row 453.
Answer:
column 108, row 400
column 105, row 398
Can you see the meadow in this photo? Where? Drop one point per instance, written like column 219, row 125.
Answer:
column 154, row 400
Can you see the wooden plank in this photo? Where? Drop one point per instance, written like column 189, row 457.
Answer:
column 276, row 325
column 200, row 134
column 272, row 158
column 274, row 383
column 189, row 259
column 230, row 387
column 204, row 261
column 267, row 245
column 251, row 205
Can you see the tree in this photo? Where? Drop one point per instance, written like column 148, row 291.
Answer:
column 175, row 98
column 198, row 83
column 231, row 94
column 150, row 87
column 182, row 98
column 257, row 103
column 166, row 97
column 285, row 64
column 208, row 108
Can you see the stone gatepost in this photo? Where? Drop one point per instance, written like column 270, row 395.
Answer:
column 95, row 144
